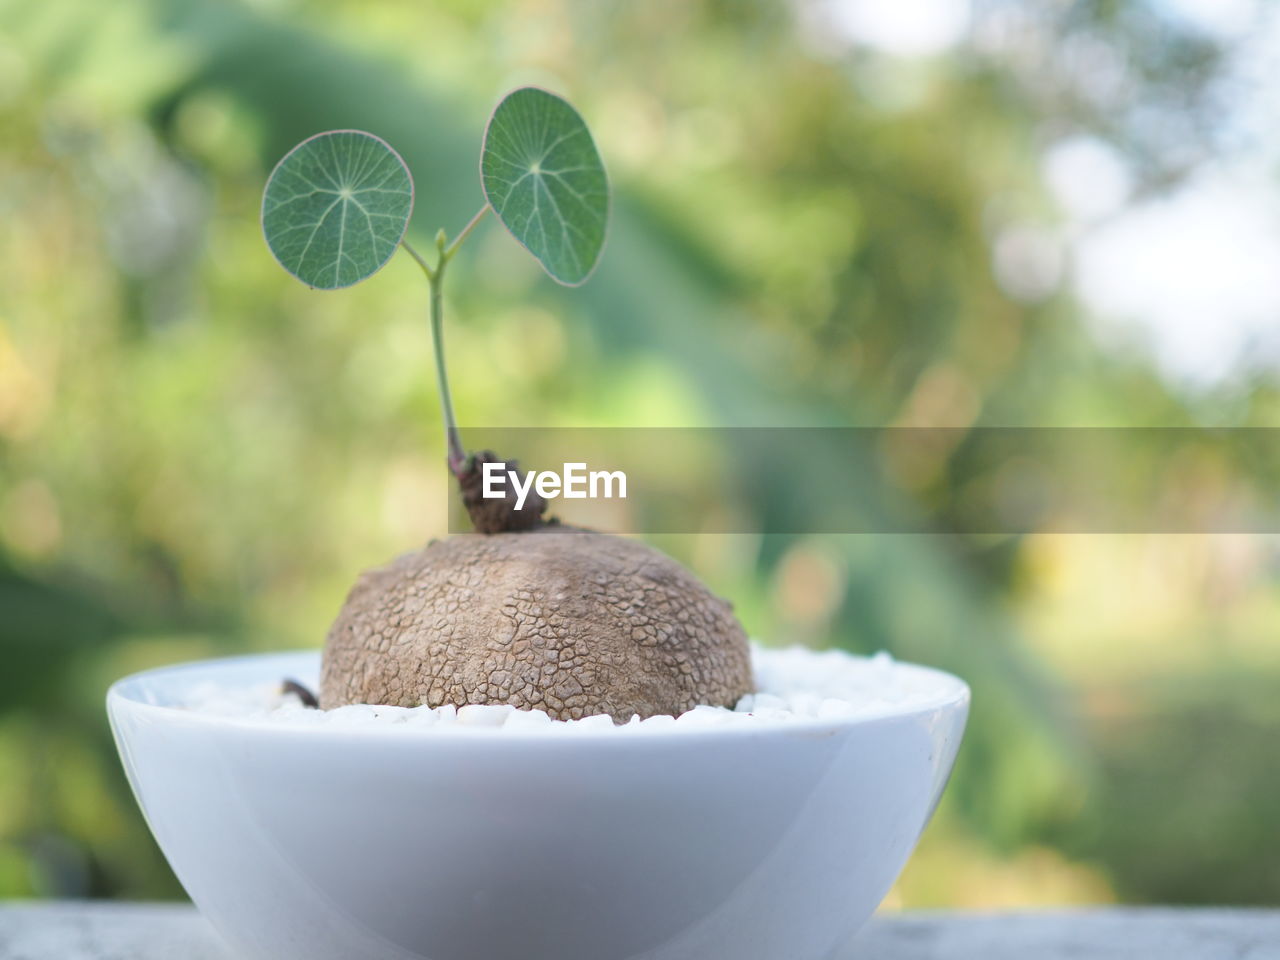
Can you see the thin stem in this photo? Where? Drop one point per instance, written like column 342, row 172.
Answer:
column 457, row 455
column 466, row 231
column 426, row 267
column 435, row 280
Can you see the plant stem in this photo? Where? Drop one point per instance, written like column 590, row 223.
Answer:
column 426, row 267
column 466, row 232
column 457, row 455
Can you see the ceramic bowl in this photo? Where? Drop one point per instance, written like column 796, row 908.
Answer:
column 753, row 842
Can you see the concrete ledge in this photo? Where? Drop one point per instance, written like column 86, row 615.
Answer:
column 118, row 931
column 1158, row 933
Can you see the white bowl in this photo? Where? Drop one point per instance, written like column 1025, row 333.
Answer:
column 752, row 842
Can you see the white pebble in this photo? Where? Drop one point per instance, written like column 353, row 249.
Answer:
column 353, row 714
column 773, row 714
column 484, row 714
column 388, row 714
column 297, row 713
column 527, row 720
column 421, row 717
column 792, row 684
column 705, row 715
column 601, row 721
column 833, row 709
column 768, row 701
column 447, row 714
column 804, row 704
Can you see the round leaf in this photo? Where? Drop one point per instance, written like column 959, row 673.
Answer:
column 544, row 178
column 336, row 208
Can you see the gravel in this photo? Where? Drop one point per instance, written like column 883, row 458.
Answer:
column 793, row 684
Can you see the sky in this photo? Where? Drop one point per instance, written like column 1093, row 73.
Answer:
column 1191, row 275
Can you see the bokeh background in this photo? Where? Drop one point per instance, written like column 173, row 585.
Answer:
column 955, row 213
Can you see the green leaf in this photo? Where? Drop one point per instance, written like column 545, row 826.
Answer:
column 336, row 207
column 544, row 178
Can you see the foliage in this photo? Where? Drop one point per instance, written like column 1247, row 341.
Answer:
column 336, row 208
column 544, row 179
column 337, row 205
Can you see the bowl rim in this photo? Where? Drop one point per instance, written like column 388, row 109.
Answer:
column 953, row 694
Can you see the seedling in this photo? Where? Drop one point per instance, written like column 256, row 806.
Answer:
column 337, row 207
column 532, row 613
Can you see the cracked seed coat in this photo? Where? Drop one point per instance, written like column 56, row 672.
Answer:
column 573, row 623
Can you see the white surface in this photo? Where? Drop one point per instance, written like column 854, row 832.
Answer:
column 793, row 684
column 328, row 843
column 110, row 931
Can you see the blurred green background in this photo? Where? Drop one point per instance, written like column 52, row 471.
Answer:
column 826, row 213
